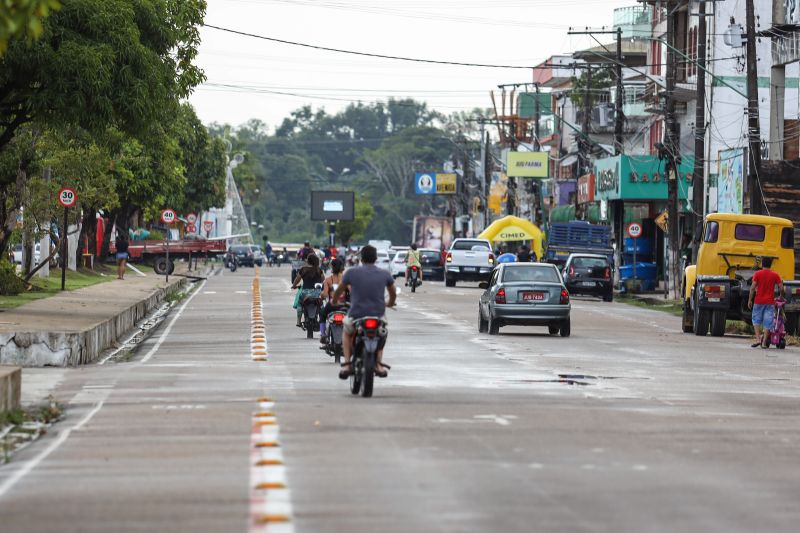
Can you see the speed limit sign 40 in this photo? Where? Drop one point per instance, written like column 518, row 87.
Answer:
column 168, row 216
column 67, row 197
column 634, row 230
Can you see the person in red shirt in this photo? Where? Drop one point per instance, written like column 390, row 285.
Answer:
column 762, row 300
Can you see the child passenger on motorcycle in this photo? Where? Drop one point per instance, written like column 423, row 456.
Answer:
column 329, row 286
column 309, row 275
column 412, row 259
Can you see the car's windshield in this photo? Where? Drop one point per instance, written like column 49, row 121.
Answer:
column 589, row 262
column 470, row 245
column 531, row 273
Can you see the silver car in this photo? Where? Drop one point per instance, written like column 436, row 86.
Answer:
column 524, row 294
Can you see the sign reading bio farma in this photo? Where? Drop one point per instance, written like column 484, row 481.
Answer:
column 528, row 164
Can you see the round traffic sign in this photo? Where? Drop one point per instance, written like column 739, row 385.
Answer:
column 191, row 228
column 191, row 218
column 67, row 197
column 208, row 225
column 634, row 230
column 168, row 216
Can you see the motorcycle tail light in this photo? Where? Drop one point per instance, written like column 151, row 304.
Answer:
column 564, row 297
column 371, row 323
column 500, row 297
column 414, row 268
column 338, row 318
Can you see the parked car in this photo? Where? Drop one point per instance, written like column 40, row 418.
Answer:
column 469, row 260
column 398, row 264
column 432, row 267
column 243, row 254
column 524, row 294
column 258, row 255
column 17, row 253
column 383, row 260
column 589, row 274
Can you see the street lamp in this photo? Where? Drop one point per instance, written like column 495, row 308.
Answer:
column 337, row 175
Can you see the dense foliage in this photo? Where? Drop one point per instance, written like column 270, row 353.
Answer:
column 372, row 149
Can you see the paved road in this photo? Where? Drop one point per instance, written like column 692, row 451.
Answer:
column 628, row 425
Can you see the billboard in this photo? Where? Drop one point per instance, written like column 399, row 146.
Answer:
column 332, row 205
column 642, row 177
column 429, row 183
column 528, row 164
column 433, row 232
column 730, row 181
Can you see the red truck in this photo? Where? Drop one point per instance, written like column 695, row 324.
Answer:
column 155, row 252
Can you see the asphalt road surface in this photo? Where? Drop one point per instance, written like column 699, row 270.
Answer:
column 626, row 426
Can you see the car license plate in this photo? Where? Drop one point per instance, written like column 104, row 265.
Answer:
column 528, row 296
column 587, row 284
column 470, row 269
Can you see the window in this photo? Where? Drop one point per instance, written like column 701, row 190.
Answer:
column 430, row 257
column 589, row 262
column 532, row 273
column 470, row 245
column 787, row 238
column 712, row 232
column 749, row 232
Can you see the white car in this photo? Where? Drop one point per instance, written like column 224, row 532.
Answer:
column 36, row 254
column 399, row 264
column 383, row 260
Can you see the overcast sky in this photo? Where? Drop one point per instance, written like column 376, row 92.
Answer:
column 244, row 74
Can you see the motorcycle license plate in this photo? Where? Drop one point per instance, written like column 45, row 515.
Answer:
column 529, row 296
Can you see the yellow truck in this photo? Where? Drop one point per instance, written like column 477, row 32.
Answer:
column 716, row 288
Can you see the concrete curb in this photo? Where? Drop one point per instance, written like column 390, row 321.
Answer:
column 10, row 388
column 72, row 348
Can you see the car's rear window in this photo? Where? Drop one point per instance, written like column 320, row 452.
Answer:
column 240, row 248
column 787, row 238
column 750, row 232
column 431, row 256
column 589, row 262
column 531, row 273
column 468, row 245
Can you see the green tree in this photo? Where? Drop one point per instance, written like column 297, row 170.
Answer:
column 23, row 18
column 355, row 229
column 204, row 161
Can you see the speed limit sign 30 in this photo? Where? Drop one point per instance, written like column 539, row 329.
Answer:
column 634, row 230
column 67, row 197
column 168, row 216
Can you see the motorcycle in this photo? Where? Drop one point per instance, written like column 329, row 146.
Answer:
column 370, row 337
column 310, row 319
column 232, row 262
column 334, row 331
column 275, row 260
column 413, row 278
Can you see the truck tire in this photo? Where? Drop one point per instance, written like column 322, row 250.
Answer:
column 701, row 322
column 791, row 323
column 718, row 321
column 687, row 320
column 160, row 266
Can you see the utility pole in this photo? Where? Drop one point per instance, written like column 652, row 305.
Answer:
column 618, row 117
column 587, row 116
column 698, row 181
column 671, row 153
column 753, row 126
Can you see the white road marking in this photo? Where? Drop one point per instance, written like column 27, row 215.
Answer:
column 26, row 468
column 138, row 272
column 164, row 335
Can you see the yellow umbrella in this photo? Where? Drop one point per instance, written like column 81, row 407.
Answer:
column 513, row 228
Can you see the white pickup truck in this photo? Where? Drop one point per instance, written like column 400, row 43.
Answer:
column 469, row 260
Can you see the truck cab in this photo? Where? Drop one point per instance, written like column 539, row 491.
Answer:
column 716, row 289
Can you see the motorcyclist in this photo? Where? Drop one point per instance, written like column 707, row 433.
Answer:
column 308, row 276
column 304, row 252
column 412, row 259
column 330, row 285
column 366, row 285
column 268, row 252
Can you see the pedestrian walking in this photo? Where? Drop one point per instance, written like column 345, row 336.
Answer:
column 121, row 244
column 762, row 301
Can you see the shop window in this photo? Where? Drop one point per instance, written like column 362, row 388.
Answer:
column 787, row 238
column 712, row 232
column 750, row 232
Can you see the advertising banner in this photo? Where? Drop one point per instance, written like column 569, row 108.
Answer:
column 446, row 183
column 528, row 164
column 730, row 181
column 332, row 205
column 433, row 232
column 429, row 183
column 586, row 189
column 498, row 193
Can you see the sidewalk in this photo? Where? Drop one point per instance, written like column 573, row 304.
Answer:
column 74, row 327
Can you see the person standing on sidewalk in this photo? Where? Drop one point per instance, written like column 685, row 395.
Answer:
column 121, row 245
column 762, row 300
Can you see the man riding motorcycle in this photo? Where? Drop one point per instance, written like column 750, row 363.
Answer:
column 366, row 285
column 413, row 260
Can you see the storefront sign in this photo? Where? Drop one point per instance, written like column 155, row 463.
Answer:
column 528, row 164
column 586, row 189
column 639, row 178
column 445, row 183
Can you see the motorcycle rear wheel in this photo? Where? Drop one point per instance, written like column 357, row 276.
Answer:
column 355, row 377
column 369, row 375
